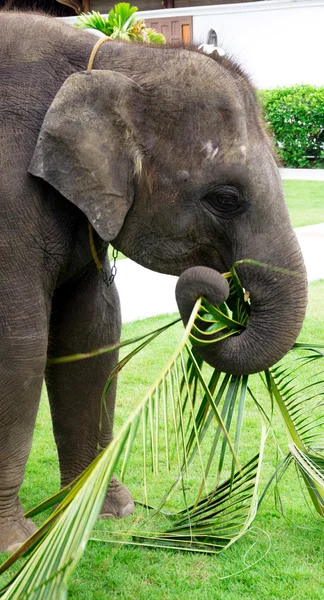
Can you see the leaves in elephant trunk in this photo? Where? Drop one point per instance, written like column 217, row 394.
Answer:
column 215, row 323
column 188, row 439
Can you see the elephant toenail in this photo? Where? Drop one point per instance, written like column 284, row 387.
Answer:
column 14, row 547
column 128, row 509
column 107, row 515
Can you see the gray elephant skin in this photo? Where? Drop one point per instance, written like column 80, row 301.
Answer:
column 164, row 152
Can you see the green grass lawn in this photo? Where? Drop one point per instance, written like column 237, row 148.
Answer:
column 305, row 200
column 281, row 558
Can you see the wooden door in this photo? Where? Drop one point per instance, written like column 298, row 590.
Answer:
column 175, row 29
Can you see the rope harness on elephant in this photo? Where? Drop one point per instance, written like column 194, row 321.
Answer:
column 95, row 50
column 107, row 279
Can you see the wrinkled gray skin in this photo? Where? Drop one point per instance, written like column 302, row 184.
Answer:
column 164, row 152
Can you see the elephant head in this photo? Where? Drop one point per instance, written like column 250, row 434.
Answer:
column 167, row 156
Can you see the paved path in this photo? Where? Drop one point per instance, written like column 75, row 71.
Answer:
column 306, row 174
column 311, row 241
column 144, row 293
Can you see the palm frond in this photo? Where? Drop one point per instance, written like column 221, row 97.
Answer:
column 179, row 435
column 219, row 519
column 153, row 37
column 121, row 23
column 299, row 397
column 200, row 482
column 94, row 20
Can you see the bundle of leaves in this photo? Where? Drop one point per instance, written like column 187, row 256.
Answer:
column 295, row 115
column 121, row 23
column 188, row 434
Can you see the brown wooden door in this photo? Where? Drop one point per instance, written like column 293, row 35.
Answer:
column 175, row 29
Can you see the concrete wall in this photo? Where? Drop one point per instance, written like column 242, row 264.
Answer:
column 104, row 6
column 279, row 42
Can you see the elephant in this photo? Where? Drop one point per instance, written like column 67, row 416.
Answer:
column 164, row 152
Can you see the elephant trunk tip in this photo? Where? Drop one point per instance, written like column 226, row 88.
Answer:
column 275, row 319
column 196, row 282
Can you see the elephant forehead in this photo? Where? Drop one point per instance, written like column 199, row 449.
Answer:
column 232, row 151
column 204, row 137
column 208, row 127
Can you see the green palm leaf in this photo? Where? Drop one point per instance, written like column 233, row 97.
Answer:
column 153, row 37
column 173, row 438
column 219, row 519
column 94, row 20
column 299, row 397
column 185, row 434
column 121, row 23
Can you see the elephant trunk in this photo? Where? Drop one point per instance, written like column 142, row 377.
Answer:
column 277, row 310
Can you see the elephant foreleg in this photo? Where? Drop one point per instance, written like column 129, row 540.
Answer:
column 23, row 332
column 85, row 316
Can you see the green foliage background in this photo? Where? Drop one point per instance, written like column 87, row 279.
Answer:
column 122, row 24
column 295, row 116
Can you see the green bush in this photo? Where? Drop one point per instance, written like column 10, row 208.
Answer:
column 121, row 24
column 295, row 115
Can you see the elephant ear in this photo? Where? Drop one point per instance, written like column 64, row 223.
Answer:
column 82, row 147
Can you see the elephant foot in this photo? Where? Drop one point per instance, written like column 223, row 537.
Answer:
column 14, row 531
column 118, row 501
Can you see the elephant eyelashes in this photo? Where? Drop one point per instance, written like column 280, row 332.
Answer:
column 224, row 201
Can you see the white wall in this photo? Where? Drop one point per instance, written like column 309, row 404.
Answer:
column 278, row 42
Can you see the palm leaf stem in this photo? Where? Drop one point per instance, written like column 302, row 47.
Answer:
column 288, row 421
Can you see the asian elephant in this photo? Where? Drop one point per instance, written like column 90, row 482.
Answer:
column 164, row 152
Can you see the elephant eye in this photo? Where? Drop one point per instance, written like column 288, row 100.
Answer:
column 224, row 201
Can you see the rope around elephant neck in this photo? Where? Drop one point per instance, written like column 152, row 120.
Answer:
column 108, row 280
column 95, row 50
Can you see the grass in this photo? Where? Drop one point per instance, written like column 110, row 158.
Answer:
column 305, row 200
column 289, row 548
column 120, row 256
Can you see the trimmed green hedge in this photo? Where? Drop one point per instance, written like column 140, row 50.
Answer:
column 295, row 115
